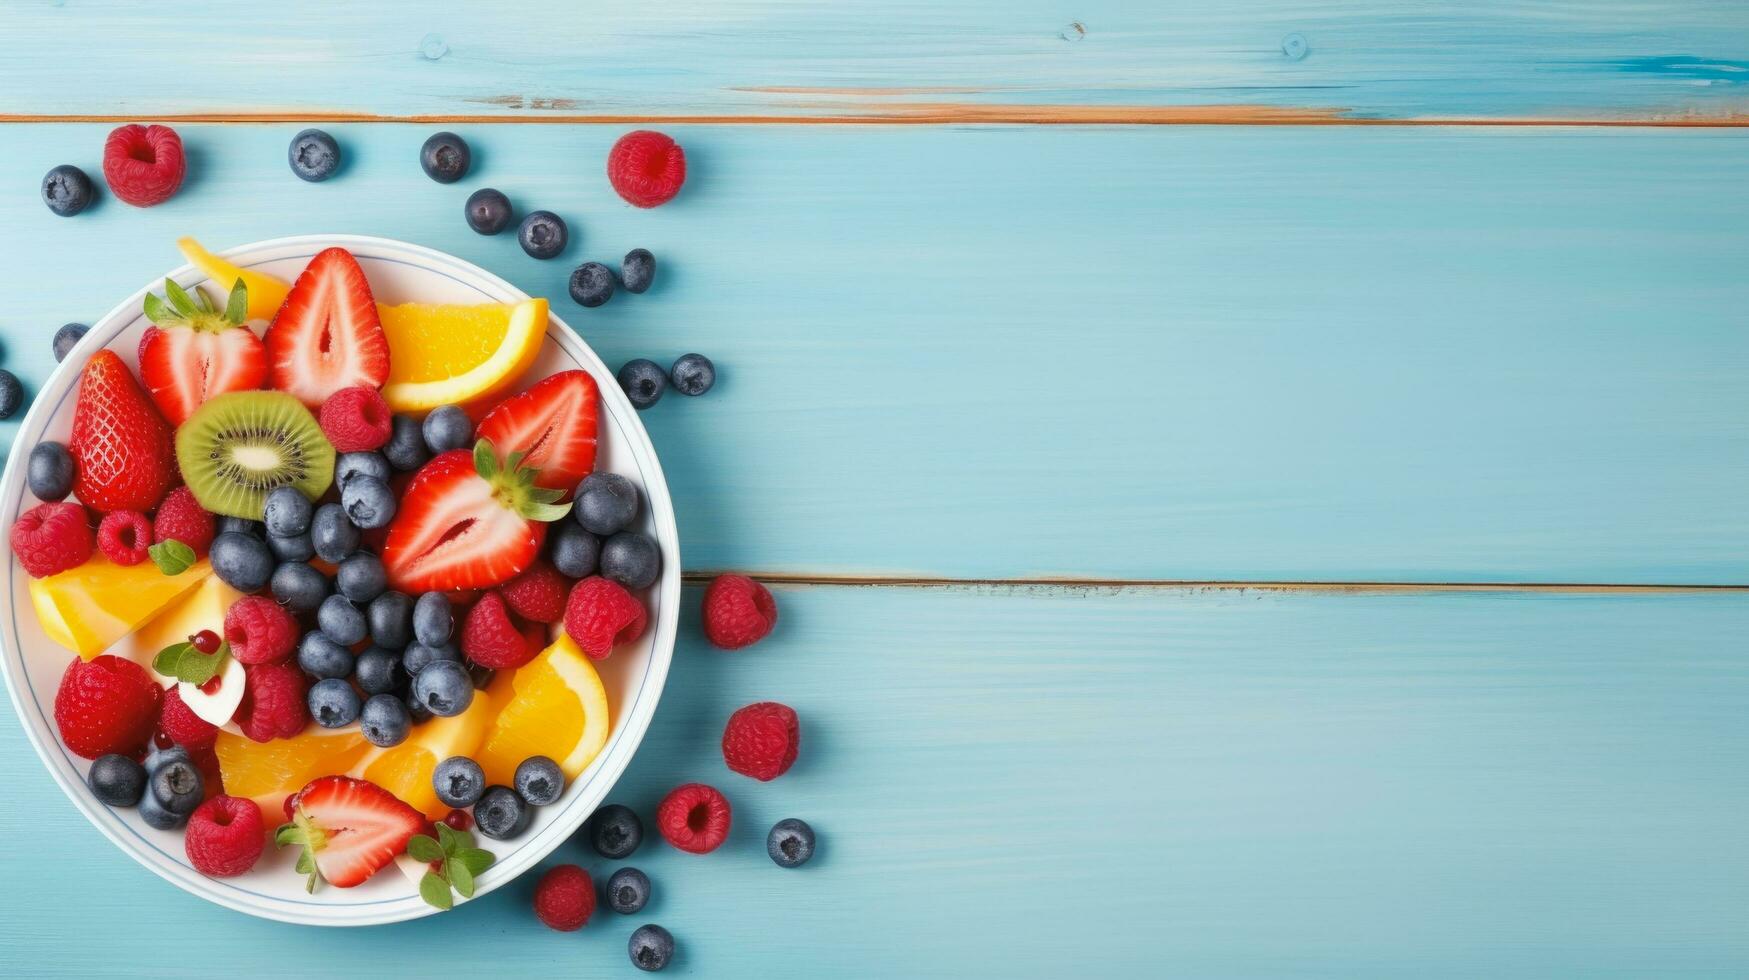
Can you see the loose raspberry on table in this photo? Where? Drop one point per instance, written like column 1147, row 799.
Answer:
column 273, row 702
column 182, row 725
column 695, row 818
column 123, row 536
column 259, row 630
column 51, row 538
column 538, row 593
column 565, row 898
column 490, row 639
column 180, row 517
column 225, row 836
column 646, row 168
column 356, row 419
column 738, row 612
column 106, row 705
column 761, row 740
column 601, row 613
column 144, row 165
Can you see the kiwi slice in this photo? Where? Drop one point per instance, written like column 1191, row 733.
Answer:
column 238, row 447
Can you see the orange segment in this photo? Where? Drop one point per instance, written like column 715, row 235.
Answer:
column 440, row 355
column 555, row 706
column 405, row 770
column 90, row 607
column 268, row 772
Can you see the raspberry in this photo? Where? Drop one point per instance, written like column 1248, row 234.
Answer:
column 646, row 168
column 181, row 517
column 225, row 836
column 601, row 613
column 761, row 739
column 565, row 898
column 144, row 165
column 106, row 705
column 490, row 639
column 356, row 419
column 537, row 594
column 123, row 536
column 183, row 726
column 259, row 630
column 694, row 818
column 273, row 702
column 51, row 538
column 738, row 612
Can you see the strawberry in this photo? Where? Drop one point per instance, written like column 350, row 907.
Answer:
column 122, row 447
column 327, row 336
column 192, row 351
column 349, row 829
column 553, row 424
column 467, row 522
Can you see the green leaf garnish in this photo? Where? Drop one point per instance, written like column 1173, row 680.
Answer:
column 237, row 304
column 423, row 848
column 460, row 862
column 183, row 662
column 172, row 556
column 475, row 859
column 459, row 876
column 435, row 891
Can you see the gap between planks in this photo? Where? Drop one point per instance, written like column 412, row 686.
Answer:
column 1068, row 584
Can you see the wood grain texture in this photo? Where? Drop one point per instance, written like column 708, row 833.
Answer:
column 1138, row 784
column 776, row 59
column 1230, row 354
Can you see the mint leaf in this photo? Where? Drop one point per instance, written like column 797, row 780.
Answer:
column 450, row 839
column 183, row 662
column 435, row 891
column 172, row 556
column 423, row 848
column 460, row 877
column 169, row 661
column 475, row 859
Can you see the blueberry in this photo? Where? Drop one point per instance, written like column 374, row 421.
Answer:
column 615, row 831
column 156, row 815
column 444, row 688
column 11, row 394
column 628, row 891
column 488, row 211
column 157, row 758
column 433, row 620
column 384, row 720
column 391, row 620
column 606, row 503
column 445, row 158
column 638, row 270
column 241, row 561
column 50, row 473
column 459, row 781
column 116, row 780
column 66, row 338
column 500, row 814
column 405, row 449
column 446, row 428
column 539, row 781
column 350, row 465
column 342, row 621
column 572, row 549
column 542, row 234
column 66, row 190
column 361, row 577
column 419, row 656
column 333, row 703
column 631, row 559
column 591, row 284
column 176, row 786
column 368, row 501
column 241, row 525
column 651, row 947
column 481, row 676
column 790, row 843
column 319, row 655
column 643, row 382
column 313, row 155
column 296, row 585
column 416, row 711
column 378, row 671
column 692, row 374
column 287, row 512
column 294, row 548
column 332, row 533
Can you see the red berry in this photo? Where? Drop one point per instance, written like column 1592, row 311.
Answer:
column 646, row 168
column 565, row 898
column 51, row 538
column 259, row 630
column 459, row 820
column 160, row 741
column 694, row 818
column 601, row 613
column 182, row 518
column 106, row 705
column 225, row 836
column 144, row 165
column 273, row 702
column 537, row 594
column 123, row 536
column 761, row 739
column 206, row 641
column 738, row 612
column 490, row 639
column 356, row 419
column 183, row 726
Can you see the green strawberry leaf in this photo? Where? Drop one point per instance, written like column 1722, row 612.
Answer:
column 287, row 833
column 237, row 304
column 485, row 460
column 435, row 891
column 156, row 311
column 475, row 859
column 458, row 874
column 180, row 299
column 172, row 556
column 423, row 848
column 538, row 511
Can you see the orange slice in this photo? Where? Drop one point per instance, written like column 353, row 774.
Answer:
column 555, row 706
column 268, row 772
column 405, row 770
column 447, row 355
column 266, row 293
column 88, row 608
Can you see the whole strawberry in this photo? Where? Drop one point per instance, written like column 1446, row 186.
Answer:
column 144, row 165
column 106, row 705
column 761, row 740
column 121, row 445
column 193, row 351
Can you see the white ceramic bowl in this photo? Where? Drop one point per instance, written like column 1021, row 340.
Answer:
column 634, row 676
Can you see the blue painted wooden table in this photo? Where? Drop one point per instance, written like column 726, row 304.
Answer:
column 1252, row 491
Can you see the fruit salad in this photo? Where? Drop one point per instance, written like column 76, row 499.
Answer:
column 334, row 567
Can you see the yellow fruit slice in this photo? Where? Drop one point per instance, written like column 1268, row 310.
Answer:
column 86, row 609
column 554, row 706
column 405, row 770
column 266, row 293
column 268, row 772
column 447, row 355
column 203, row 608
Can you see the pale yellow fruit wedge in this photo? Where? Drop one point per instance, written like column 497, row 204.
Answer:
column 266, row 293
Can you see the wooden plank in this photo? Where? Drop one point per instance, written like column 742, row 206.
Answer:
column 1055, row 783
column 1285, row 60
column 1391, row 355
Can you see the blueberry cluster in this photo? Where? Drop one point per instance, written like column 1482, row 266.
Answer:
column 592, row 282
column 644, row 381
column 501, row 812
column 601, row 541
column 166, row 788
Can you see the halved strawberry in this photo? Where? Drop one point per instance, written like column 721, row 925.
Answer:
column 193, row 351
column 467, row 522
column 553, row 424
column 349, row 828
column 327, row 336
